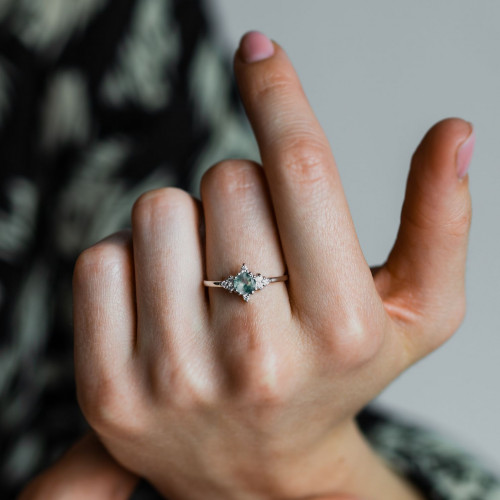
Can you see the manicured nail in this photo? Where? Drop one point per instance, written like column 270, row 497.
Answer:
column 464, row 155
column 255, row 46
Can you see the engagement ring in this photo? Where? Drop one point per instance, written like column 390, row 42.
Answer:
column 245, row 283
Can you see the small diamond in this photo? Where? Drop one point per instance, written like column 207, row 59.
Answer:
column 261, row 281
column 228, row 284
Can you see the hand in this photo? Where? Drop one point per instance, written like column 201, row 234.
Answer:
column 85, row 471
column 215, row 398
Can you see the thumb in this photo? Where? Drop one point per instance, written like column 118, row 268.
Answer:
column 85, row 471
column 423, row 280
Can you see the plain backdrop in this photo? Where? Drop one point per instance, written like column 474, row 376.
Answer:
column 379, row 74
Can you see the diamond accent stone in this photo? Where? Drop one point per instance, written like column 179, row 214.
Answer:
column 261, row 281
column 228, row 284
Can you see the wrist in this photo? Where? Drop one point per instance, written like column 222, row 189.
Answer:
column 344, row 466
column 356, row 470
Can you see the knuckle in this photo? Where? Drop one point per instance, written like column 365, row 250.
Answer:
column 306, row 160
column 353, row 342
column 97, row 402
column 271, row 83
column 454, row 221
column 105, row 408
column 168, row 201
column 188, row 395
column 231, row 176
column 263, row 388
column 173, row 386
column 460, row 222
column 97, row 260
column 265, row 403
column 259, row 371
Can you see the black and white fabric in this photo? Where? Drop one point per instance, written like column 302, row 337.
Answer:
column 433, row 462
column 101, row 100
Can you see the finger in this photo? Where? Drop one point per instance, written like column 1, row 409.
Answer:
column 240, row 228
column 85, row 471
column 104, row 314
column 169, row 271
column 326, row 266
column 424, row 276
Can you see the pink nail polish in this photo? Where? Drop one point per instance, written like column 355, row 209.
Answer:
column 464, row 155
column 255, row 46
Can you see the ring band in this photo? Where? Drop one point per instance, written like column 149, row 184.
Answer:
column 245, row 283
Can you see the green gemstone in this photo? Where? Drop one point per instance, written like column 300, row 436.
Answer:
column 244, row 283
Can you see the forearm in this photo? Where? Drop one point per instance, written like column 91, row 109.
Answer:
column 346, row 467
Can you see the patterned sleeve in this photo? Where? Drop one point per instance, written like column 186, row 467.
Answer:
column 438, row 467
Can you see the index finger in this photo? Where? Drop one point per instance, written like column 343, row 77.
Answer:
column 319, row 241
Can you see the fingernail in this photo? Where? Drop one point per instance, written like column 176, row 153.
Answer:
column 464, row 155
column 255, row 46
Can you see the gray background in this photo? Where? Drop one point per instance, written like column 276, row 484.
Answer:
column 378, row 75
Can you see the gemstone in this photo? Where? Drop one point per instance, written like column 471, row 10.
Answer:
column 261, row 281
column 244, row 283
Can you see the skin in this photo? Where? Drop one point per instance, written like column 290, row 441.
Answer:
column 211, row 398
column 85, row 471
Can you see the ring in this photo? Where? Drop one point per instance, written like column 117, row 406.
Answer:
column 245, row 283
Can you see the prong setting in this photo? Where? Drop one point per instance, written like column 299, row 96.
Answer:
column 245, row 283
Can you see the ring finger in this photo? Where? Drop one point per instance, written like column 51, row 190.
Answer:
column 240, row 228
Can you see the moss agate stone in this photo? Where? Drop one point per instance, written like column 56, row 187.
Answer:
column 244, row 283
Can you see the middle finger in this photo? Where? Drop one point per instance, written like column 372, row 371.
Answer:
column 327, row 269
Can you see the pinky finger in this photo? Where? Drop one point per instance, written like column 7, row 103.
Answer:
column 104, row 316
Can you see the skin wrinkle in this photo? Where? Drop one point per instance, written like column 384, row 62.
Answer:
column 234, row 179
column 100, row 320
